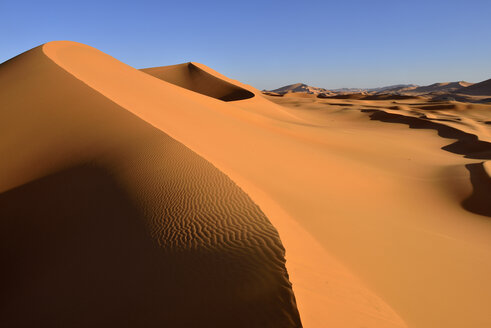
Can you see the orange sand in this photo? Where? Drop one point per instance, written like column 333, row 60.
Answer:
column 382, row 227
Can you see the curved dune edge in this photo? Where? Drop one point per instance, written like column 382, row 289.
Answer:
column 432, row 246
column 479, row 201
column 327, row 293
column 347, row 301
column 108, row 221
column 318, row 309
column 487, row 168
column 468, row 144
column 255, row 104
column 192, row 77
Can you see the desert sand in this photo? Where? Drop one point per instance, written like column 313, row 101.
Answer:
column 175, row 196
column 479, row 89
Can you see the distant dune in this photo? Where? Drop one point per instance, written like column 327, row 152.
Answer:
column 304, row 88
column 394, row 88
column 191, row 77
column 439, row 87
column 175, row 196
column 400, row 89
column 479, row 89
column 300, row 88
column 386, row 89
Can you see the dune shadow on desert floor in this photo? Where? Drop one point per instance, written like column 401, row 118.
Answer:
column 480, row 200
column 76, row 252
column 467, row 144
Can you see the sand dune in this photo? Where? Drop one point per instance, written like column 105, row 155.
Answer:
column 445, row 192
column 192, row 77
column 301, row 95
column 442, row 87
column 106, row 220
column 304, row 88
column 479, row 89
column 395, row 89
column 349, row 96
column 467, row 144
column 300, row 88
column 173, row 198
column 365, row 96
column 478, row 202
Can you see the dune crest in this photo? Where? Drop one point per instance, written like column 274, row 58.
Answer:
column 106, row 220
column 378, row 223
column 190, row 76
column 480, row 89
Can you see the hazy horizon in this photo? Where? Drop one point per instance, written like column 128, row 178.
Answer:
column 362, row 88
column 329, row 44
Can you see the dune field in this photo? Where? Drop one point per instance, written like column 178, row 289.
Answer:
column 176, row 197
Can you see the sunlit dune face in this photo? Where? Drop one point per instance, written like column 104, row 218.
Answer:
column 187, row 199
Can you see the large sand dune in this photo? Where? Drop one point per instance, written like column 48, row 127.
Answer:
column 107, row 221
column 124, row 202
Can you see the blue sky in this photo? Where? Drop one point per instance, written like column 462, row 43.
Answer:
column 269, row 44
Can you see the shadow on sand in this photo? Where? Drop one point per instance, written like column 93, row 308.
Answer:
column 480, row 200
column 467, row 144
column 76, row 252
column 191, row 77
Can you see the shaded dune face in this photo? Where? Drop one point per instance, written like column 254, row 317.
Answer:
column 193, row 78
column 467, row 144
column 479, row 201
column 482, row 89
column 76, row 253
column 107, row 221
column 361, row 96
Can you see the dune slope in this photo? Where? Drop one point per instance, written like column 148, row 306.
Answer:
column 374, row 217
column 257, row 144
column 106, row 220
column 480, row 89
column 412, row 216
column 192, row 77
column 439, row 87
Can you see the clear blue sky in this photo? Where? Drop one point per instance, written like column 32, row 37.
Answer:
column 268, row 44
